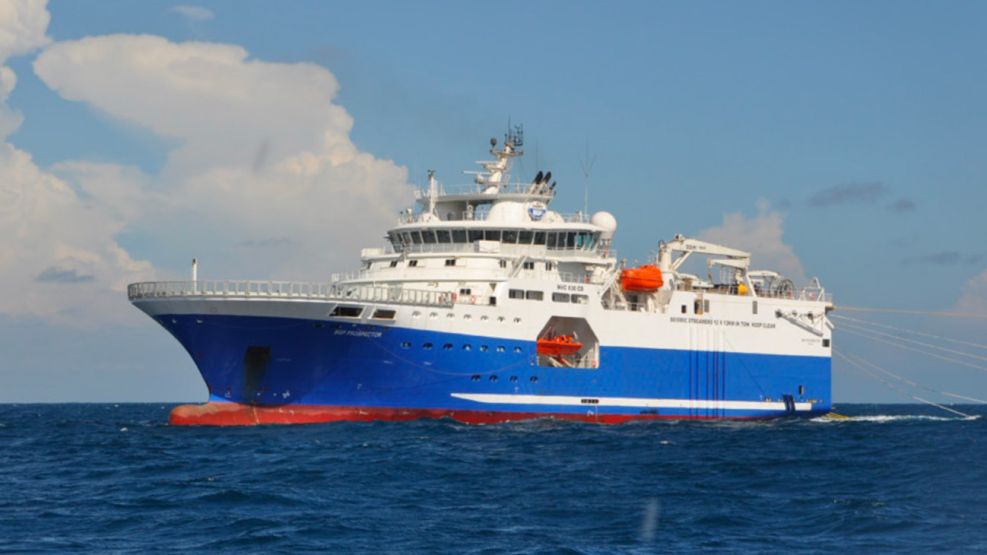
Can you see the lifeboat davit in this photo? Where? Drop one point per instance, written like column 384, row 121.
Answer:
column 560, row 345
column 643, row 279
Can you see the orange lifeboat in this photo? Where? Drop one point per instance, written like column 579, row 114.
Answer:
column 643, row 279
column 560, row 345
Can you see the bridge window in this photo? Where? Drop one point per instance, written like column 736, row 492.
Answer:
column 475, row 235
column 510, row 236
column 491, row 235
column 552, row 240
column 524, row 237
column 534, row 295
column 459, row 236
column 443, row 236
column 416, row 237
column 539, row 237
column 428, row 237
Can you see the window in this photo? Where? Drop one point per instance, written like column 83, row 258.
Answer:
column 475, row 377
column 493, row 302
column 501, row 349
column 467, row 347
column 484, row 348
column 517, row 350
column 450, row 261
column 503, row 263
column 706, row 305
column 580, row 299
column 684, row 311
column 394, row 263
column 412, row 263
column 825, row 342
column 754, row 307
column 515, row 294
column 528, row 265
column 534, row 295
column 493, row 378
column 549, row 266
column 513, row 379
column 697, row 307
column 347, row 311
column 465, row 291
column 560, row 297
column 406, row 344
column 384, row 314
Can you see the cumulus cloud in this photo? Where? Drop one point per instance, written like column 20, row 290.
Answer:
column 761, row 235
column 195, row 14
column 849, row 193
column 58, row 256
column 973, row 298
column 263, row 157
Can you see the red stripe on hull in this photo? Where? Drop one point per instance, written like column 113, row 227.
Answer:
column 234, row 414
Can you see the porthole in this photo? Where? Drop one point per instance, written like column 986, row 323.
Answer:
column 475, row 377
column 467, row 347
column 513, row 379
column 447, row 347
column 517, row 350
column 533, row 379
column 406, row 344
column 500, row 349
column 483, row 348
column 427, row 346
column 493, row 378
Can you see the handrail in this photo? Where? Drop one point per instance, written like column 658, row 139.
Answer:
column 327, row 291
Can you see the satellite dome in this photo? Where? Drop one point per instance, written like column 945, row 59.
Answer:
column 606, row 221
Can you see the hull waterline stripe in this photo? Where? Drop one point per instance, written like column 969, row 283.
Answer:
column 567, row 400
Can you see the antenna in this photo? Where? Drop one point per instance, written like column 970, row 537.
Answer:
column 586, row 164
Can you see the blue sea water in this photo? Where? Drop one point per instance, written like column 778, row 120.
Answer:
column 117, row 478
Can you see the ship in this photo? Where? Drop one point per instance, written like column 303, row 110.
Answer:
column 485, row 305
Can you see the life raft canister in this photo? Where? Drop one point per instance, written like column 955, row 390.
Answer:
column 643, row 279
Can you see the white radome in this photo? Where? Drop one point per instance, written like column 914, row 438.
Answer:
column 606, row 222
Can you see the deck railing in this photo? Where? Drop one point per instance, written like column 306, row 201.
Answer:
column 326, row 291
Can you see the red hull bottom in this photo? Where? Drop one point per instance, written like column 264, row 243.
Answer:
column 234, row 414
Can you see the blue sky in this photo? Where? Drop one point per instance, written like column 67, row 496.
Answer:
column 850, row 132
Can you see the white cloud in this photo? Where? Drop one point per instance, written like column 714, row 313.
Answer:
column 973, row 298
column 58, row 256
column 193, row 13
column 762, row 236
column 264, row 156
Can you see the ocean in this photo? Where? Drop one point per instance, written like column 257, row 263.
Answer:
column 117, row 478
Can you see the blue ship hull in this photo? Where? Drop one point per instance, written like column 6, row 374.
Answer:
column 296, row 366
